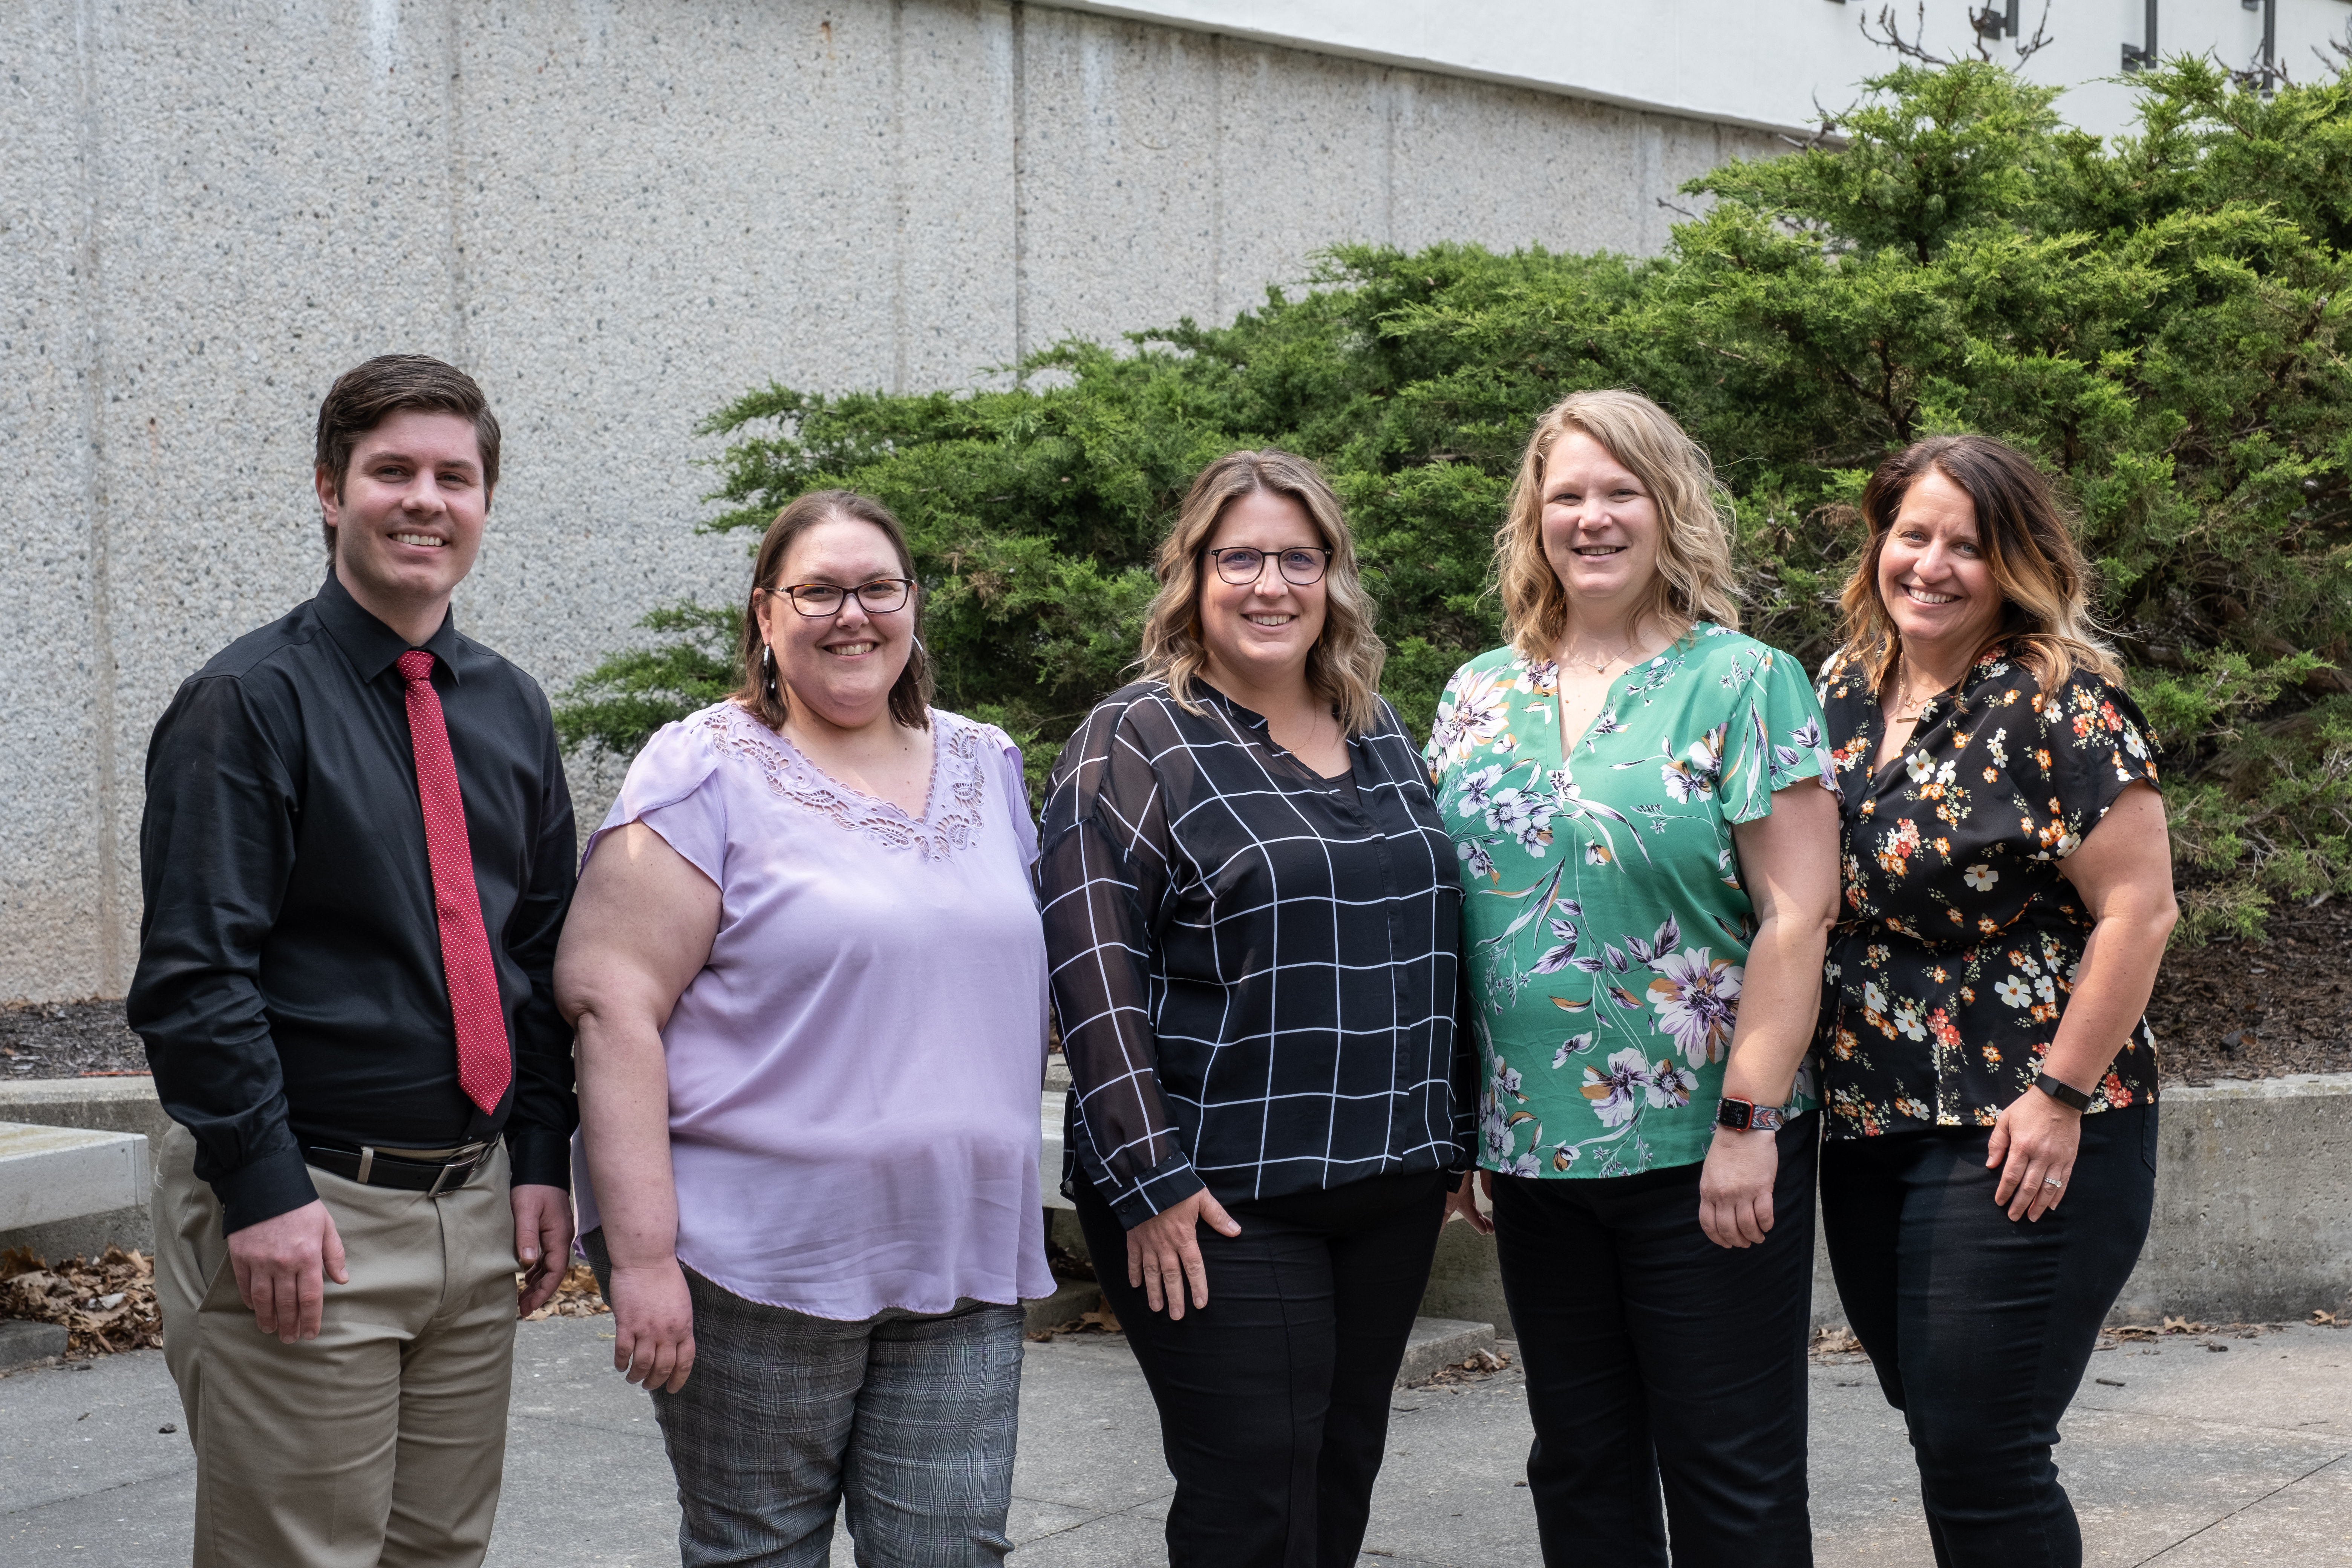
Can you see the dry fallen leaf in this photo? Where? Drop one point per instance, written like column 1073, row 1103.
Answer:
column 575, row 1297
column 106, row 1306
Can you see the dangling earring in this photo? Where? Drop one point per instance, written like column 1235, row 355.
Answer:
column 768, row 669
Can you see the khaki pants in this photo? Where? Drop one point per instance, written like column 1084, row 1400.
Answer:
column 381, row 1443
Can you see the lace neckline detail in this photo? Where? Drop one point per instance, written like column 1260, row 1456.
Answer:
column 951, row 811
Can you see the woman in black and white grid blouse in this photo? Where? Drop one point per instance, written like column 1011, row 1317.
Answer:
column 1251, row 913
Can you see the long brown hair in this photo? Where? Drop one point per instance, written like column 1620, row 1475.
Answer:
column 1695, row 578
column 1344, row 665
column 762, row 693
column 2044, row 579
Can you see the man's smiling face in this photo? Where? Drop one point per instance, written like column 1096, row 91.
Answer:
column 409, row 520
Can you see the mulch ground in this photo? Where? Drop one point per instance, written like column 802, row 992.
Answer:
column 2283, row 1005
column 68, row 1039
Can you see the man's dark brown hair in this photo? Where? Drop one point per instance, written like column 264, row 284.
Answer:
column 366, row 395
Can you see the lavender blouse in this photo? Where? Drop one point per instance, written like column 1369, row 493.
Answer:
column 854, row 1077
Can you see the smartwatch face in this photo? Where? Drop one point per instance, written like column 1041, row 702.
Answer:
column 1734, row 1114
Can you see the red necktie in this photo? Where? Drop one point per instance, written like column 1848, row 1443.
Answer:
column 483, row 1069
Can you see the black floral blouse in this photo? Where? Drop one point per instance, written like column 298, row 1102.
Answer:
column 1960, row 940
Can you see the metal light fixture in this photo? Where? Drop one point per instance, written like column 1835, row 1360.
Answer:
column 2144, row 57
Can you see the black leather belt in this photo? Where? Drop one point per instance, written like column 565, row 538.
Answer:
column 427, row 1170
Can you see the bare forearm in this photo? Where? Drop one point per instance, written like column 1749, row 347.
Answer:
column 2111, row 991
column 625, row 1122
column 1780, row 998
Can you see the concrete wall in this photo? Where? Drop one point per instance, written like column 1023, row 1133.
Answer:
column 2254, row 1202
column 618, row 214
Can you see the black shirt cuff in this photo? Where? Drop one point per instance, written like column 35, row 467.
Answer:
column 275, row 1183
column 1162, row 1188
column 538, row 1158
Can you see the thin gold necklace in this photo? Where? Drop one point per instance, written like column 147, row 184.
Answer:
column 1903, row 696
column 1604, row 664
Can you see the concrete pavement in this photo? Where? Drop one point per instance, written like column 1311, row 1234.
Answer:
column 2183, row 1456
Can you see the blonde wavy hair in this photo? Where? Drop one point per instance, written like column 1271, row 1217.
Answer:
column 1695, row 580
column 2045, row 580
column 1344, row 665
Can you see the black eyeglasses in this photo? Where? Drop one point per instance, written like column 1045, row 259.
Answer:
column 878, row 597
column 1241, row 565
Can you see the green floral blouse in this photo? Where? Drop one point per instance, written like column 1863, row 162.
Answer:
column 1604, row 930
column 1960, row 937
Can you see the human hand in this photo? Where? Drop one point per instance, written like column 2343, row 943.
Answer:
column 653, row 1325
column 1463, row 1200
column 543, row 1217
column 2035, row 1142
column 1735, row 1187
column 1164, row 1252
column 279, row 1263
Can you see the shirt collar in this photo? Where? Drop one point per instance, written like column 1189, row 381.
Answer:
column 1247, row 718
column 368, row 643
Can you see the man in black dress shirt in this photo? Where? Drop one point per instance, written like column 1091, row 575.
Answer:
column 372, row 1085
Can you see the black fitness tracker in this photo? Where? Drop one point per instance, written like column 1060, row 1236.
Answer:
column 2065, row 1094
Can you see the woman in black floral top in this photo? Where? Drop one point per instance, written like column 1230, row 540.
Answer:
column 1989, row 1168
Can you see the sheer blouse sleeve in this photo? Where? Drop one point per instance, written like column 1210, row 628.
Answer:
column 1104, row 873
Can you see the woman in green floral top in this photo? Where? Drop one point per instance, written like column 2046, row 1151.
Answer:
column 1990, row 1158
column 1648, row 858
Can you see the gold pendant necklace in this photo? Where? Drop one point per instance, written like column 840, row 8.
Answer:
column 1603, row 666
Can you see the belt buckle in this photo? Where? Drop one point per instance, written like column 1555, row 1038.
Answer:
column 470, row 1156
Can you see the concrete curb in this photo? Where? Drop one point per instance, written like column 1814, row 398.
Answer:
column 24, row 1344
column 1071, row 1298
column 99, row 1105
column 1442, row 1342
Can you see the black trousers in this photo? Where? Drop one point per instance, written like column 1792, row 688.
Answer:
column 1979, row 1326
column 1656, row 1357
column 1273, row 1398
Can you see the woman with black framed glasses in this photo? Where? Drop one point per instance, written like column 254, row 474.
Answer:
column 806, row 971
column 1251, row 913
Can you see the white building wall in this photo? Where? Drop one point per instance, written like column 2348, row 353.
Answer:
column 1763, row 63
column 618, row 214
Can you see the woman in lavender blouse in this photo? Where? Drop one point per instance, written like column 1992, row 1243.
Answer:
column 809, row 980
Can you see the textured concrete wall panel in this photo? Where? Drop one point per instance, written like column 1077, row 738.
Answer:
column 52, row 768
column 1118, row 170
column 1306, row 146
column 1560, row 172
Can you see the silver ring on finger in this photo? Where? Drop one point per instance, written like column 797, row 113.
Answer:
column 2052, row 1181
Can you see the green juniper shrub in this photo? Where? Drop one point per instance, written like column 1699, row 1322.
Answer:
column 2157, row 319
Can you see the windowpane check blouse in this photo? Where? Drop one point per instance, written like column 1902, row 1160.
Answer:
column 1255, row 966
